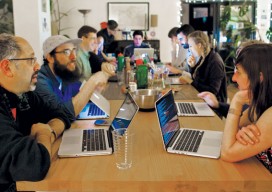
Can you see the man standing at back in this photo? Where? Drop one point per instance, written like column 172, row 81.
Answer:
column 108, row 34
column 138, row 37
column 58, row 79
column 29, row 124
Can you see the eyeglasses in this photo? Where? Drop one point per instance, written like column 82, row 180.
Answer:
column 32, row 59
column 67, row 52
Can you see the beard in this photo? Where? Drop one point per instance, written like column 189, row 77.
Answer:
column 65, row 74
column 32, row 85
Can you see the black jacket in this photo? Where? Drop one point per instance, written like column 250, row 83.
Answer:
column 21, row 157
column 211, row 76
column 108, row 39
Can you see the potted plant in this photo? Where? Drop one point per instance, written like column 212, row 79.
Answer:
column 228, row 25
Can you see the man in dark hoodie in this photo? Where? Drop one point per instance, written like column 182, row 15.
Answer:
column 108, row 34
column 29, row 125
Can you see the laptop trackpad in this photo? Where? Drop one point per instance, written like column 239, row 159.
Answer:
column 71, row 140
column 211, row 142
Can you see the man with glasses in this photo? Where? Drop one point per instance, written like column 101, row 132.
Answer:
column 29, row 124
column 178, row 53
column 58, row 79
column 85, row 54
column 182, row 34
column 108, row 34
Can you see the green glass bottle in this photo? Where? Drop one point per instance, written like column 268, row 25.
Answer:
column 142, row 76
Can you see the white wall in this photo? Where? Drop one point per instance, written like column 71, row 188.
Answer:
column 28, row 19
column 166, row 10
column 29, row 23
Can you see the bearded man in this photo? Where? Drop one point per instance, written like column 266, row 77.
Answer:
column 58, row 79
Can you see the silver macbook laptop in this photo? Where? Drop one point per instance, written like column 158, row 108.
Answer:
column 97, row 141
column 143, row 52
column 186, row 141
column 194, row 109
column 97, row 108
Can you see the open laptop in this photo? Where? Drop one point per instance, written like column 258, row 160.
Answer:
column 186, row 141
column 144, row 52
column 199, row 109
column 97, row 141
column 97, row 108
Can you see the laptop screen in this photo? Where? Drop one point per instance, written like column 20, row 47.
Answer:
column 167, row 114
column 125, row 114
column 144, row 52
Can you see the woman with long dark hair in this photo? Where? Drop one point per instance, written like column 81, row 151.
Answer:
column 253, row 75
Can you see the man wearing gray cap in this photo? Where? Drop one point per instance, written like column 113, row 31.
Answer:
column 58, row 79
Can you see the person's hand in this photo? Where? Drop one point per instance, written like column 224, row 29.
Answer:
column 108, row 68
column 209, row 98
column 39, row 129
column 191, row 61
column 100, row 80
column 132, row 58
column 113, row 61
column 248, row 135
column 241, row 98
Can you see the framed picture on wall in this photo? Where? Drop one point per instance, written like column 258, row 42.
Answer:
column 130, row 15
column 6, row 17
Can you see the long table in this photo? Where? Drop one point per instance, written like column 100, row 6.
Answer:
column 153, row 168
column 185, row 92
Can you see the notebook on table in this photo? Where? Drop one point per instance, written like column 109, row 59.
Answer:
column 97, row 108
column 195, row 142
column 194, row 109
column 97, row 141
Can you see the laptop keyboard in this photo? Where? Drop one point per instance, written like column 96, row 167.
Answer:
column 93, row 140
column 95, row 111
column 187, row 108
column 189, row 140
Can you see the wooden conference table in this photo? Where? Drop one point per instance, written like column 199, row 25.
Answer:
column 153, row 168
column 186, row 92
